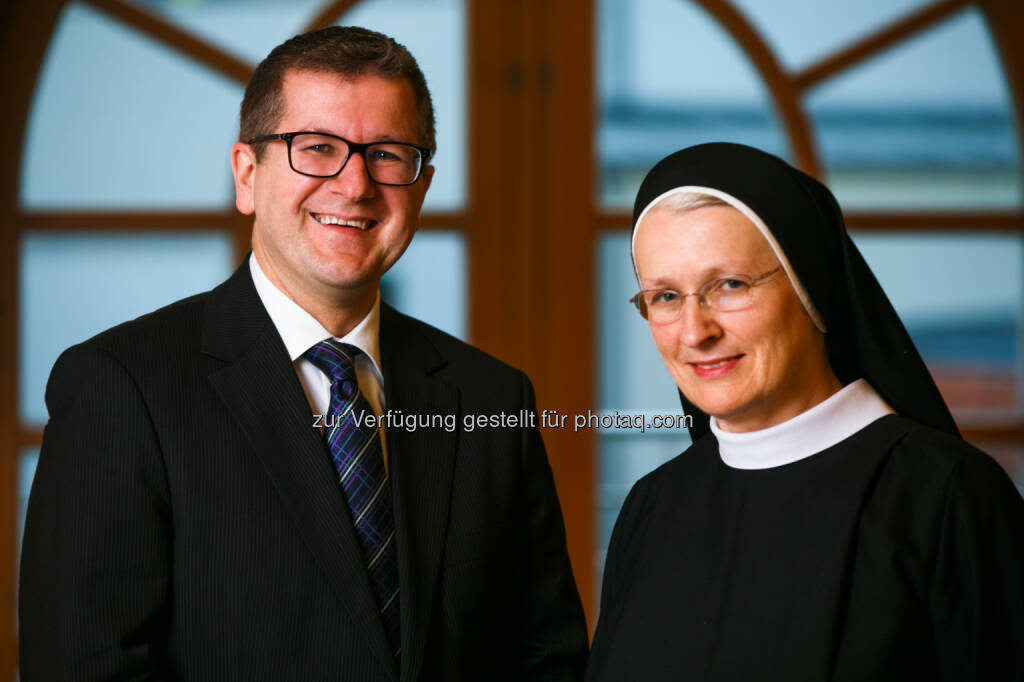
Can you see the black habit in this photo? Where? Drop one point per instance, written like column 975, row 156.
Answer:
column 897, row 554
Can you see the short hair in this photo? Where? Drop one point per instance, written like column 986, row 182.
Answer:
column 684, row 202
column 349, row 52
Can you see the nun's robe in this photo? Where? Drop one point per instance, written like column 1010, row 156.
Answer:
column 895, row 554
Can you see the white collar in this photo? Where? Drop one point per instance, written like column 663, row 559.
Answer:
column 300, row 331
column 832, row 421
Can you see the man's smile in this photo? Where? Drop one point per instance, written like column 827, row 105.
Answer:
column 358, row 223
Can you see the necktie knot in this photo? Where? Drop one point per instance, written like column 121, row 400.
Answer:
column 336, row 360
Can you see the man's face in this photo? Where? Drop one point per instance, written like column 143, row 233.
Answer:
column 331, row 239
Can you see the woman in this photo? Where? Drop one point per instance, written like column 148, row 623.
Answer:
column 833, row 525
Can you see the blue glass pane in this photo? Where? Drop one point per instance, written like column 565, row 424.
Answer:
column 74, row 286
column 429, row 281
column 928, row 124
column 26, row 472
column 960, row 297
column 670, row 77
column 251, row 29
column 801, row 32
column 121, row 121
column 633, row 381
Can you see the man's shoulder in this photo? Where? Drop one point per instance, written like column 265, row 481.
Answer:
column 153, row 350
column 164, row 327
column 461, row 357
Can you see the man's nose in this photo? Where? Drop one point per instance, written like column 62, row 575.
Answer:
column 353, row 182
column 698, row 324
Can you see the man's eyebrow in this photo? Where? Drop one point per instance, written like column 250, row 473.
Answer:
column 316, row 130
column 392, row 138
column 381, row 138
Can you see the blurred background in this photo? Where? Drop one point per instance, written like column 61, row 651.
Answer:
column 120, row 114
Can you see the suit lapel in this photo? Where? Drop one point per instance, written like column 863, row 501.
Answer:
column 421, row 465
column 262, row 391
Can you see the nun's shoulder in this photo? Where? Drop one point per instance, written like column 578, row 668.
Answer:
column 663, row 486
column 682, row 470
column 923, row 456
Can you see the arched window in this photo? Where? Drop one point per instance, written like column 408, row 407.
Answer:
column 117, row 193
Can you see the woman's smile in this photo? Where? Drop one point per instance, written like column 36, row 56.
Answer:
column 709, row 369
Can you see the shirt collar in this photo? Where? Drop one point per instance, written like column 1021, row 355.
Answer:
column 300, row 331
column 829, row 422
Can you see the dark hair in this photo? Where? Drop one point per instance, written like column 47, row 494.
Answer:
column 349, row 51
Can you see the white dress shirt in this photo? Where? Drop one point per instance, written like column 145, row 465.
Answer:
column 829, row 422
column 300, row 331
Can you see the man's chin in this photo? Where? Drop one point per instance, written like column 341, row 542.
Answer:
column 348, row 285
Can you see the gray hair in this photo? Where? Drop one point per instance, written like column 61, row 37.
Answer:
column 684, row 202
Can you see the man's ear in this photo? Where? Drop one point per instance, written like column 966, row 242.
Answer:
column 243, row 165
column 422, row 185
column 428, row 175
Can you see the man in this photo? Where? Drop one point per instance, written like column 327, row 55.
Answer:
column 190, row 520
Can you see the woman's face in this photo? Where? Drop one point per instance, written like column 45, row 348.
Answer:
column 750, row 368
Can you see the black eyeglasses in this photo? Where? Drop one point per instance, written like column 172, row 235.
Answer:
column 320, row 155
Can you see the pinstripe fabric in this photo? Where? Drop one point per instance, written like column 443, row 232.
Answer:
column 355, row 448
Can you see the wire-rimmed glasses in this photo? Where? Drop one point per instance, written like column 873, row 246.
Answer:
column 723, row 294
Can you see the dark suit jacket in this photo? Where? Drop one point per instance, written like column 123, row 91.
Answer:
column 185, row 521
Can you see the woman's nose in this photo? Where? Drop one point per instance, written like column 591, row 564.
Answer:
column 697, row 323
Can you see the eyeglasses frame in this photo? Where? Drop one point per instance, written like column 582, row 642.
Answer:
column 353, row 148
column 702, row 297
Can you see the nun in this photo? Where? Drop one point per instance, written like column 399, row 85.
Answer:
column 828, row 522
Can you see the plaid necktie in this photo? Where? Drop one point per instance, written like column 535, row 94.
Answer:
column 359, row 461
